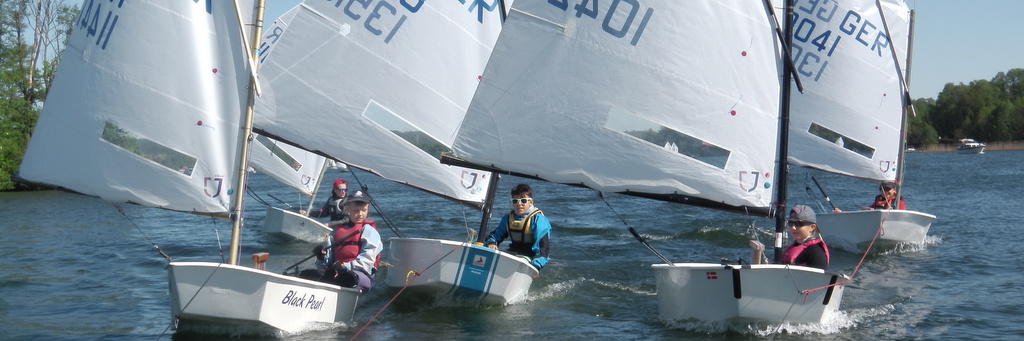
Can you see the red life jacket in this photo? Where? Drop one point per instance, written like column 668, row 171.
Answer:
column 789, row 256
column 347, row 243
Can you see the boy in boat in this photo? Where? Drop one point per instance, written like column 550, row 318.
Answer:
column 526, row 226
column 884, row 200
column 353, row 251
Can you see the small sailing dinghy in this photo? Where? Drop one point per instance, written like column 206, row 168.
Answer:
column 851, row 117
column 599, row 92
column 150, row 104
column 388, row 94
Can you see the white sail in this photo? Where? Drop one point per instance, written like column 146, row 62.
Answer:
column 606, row 90
column 384, row 93
column 145, row 108
column 848, row 119
column 290, row 165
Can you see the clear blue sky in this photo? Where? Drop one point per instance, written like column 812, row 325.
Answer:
column 955, row 41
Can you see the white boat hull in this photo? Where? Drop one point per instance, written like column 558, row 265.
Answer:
column 207, row 294
column 462, row 271
column 287, row 223
column 853, row 231
column 739, row 294
column 971, row 150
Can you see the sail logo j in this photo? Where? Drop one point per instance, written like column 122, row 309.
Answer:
column 470, row 177
column 212, row 186
column 756, row 180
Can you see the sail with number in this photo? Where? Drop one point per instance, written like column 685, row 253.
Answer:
column 381, row 89
column 852, row 57
column 677, row 101
column 671, row 100
column 148, row 106
column 848, row 120
column 150, row 116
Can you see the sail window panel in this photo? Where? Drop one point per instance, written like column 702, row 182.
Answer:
column 624, row 122
column 841, row 140
column 397, row 125
column 146, row 148
column 276, row 150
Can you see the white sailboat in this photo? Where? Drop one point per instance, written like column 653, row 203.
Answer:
column 600, row 91
column 851, row 116
column 150, row 104
column 389, row 92
column 300, row 170
column 289, row 165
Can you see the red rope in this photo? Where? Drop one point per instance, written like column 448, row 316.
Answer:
column 878, row 233
column 408, row 280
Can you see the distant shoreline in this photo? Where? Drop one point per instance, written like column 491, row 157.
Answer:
column 951, row 147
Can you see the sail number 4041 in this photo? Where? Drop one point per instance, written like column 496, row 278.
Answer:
column 617, row 27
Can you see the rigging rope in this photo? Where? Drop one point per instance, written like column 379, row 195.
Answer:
column 635, row 234
column 157, row 247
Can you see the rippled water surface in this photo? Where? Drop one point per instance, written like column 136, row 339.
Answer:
column 74, row 267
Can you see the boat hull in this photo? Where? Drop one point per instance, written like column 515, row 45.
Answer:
column 462, row 271
column 290, row 224
column 740, row 294
column 971, row 150
column 852, row 231
column 207, row 294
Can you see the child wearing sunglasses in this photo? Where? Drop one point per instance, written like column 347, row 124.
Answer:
column 526, row 227
column 808, row 249
column 333, row 206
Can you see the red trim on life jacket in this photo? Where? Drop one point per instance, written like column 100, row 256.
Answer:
column 789, row 256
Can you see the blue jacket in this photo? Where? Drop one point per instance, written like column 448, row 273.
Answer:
column 535, row 246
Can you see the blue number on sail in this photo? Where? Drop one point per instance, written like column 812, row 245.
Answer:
column 377, row 13
column 90, row 21
column 480, row 11
column 589, row 8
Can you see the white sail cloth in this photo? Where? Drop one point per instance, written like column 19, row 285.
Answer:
column 156, row 124
column 849, row 118
column 593, row 96
column 381, row 89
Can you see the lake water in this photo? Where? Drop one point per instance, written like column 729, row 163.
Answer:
column 75, row 268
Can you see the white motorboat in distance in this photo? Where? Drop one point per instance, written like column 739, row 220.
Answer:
column 970, row 146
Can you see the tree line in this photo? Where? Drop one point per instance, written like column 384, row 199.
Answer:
column 985, row 110
column 33, row 35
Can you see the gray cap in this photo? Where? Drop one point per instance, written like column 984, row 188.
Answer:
column 358, row 196
column 804, row 213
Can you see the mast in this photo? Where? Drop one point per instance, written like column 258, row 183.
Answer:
column 243, row 164
column 783, row 155
column 908, row 107
column 488, row 206
column 907, row 102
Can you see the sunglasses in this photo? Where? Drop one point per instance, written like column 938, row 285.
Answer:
column 341, row 189
column 797, row 223
column 521, row 201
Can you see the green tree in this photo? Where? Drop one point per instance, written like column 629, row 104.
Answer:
column 919, row 129
column 32, row 34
